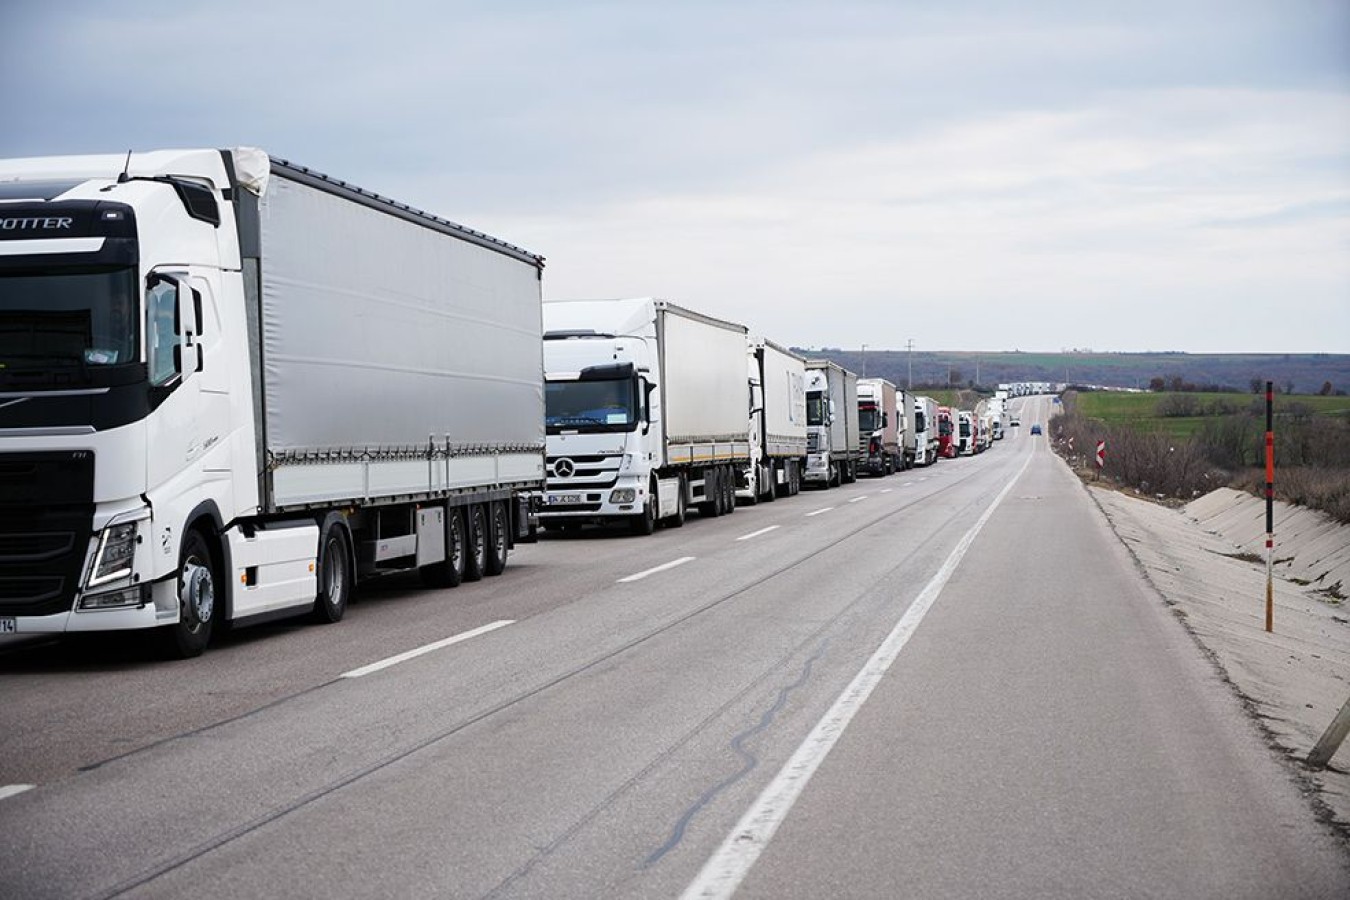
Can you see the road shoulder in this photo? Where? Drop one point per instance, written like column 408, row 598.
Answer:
column 1294, row 680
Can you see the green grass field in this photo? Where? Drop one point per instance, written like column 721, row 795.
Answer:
column 1142, row 410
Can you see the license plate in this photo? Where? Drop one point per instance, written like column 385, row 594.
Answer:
column 8, row 625
column 563, row 499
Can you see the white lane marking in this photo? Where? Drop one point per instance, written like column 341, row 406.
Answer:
column 856, row 499
column 755, row 534
column 661, row 568
column 907, row 484
column 435, row 645
column 9, row 790
column 819, row 511
column 887, row 490
column 724, row 871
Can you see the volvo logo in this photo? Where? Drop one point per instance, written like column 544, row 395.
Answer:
column 564, row 468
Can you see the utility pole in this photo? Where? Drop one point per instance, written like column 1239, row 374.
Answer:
column 909, row 345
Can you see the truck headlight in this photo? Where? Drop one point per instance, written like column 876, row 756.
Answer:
column 623, row 495
column 116, row 549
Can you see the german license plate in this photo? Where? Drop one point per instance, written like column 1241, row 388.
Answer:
column 563, row 499
column 8, row 625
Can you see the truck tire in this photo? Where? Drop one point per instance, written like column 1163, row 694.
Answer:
column 499, row 537
column 729, row 489
column 197, row 579
column 335, row 572
column 644, row 523
column 767, row 475
column 476, row 559
column 449, row 572
column 681, row 510
column 712, row 493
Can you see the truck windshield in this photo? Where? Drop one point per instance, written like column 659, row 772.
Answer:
column 869, row 418
column 592, row 405
column 67, row 321
column 815, row 408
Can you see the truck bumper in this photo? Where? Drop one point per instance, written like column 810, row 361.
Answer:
column 128, row 619
column 580, row 505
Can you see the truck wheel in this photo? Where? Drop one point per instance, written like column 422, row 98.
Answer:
column 499, row 534
column 712, row 492
column 644, row 523
column 335, row 572
column 449, row 572
column 755, row 491
column 677, row 520
column 729, row 488
column 767, row 477
column 476, row 563
column 189, row 636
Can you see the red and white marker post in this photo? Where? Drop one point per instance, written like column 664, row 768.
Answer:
column 1270, row 506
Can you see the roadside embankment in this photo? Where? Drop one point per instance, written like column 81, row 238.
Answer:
column 1207, row 562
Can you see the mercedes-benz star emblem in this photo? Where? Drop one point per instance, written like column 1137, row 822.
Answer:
column 564, row 468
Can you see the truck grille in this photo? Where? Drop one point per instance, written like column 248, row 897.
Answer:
column 46, row 520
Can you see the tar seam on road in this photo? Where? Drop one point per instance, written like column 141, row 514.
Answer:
column 220, row 840
column 728, row 866
column 748, row 760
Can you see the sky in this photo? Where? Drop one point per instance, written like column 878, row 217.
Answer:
column 965, row 175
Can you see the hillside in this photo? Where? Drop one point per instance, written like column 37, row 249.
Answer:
column 1305, row 372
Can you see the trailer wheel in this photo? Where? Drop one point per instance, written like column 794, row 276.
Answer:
column 499, row 545
column 681, row 510
column 712, row 492
column 335, row 572
column 476, row 563
column 449, row 572
column 729, row 488
column 189, row 636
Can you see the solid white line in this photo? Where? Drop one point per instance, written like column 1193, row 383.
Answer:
column 9, row 790
column 819, row 511
column 723, row 872
column 436, row 645
column 856, row 499
column 661, row 568
column 755, row 534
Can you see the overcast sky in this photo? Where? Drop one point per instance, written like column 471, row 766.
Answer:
column 967, row 175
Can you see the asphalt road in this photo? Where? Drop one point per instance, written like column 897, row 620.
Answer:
column 945, row 683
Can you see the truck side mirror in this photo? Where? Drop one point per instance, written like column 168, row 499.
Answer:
column 647, row 388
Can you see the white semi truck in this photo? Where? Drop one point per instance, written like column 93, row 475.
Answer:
column 777, row 423
column 882, row 431
column 925, row 431
column 647, row 411
column 230, row 386
column 832, row 448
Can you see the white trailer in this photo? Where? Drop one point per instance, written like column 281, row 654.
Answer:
column 230, row 386
column 832, row 452
column 880, row 426
column 904, row 403
column 647, row 413
column 925, row 431
column 777, row 423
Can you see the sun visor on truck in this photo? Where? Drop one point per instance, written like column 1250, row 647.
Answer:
column 611, row 372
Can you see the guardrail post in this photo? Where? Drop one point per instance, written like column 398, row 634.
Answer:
column 1331, row 739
